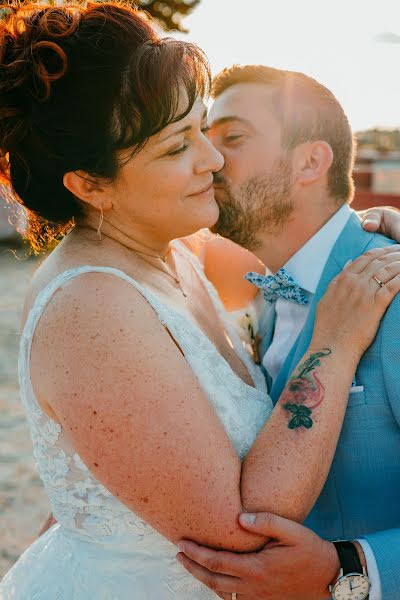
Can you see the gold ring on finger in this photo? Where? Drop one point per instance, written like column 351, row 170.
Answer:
column 378, row 281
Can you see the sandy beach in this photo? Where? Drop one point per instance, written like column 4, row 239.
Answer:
column 23, row 504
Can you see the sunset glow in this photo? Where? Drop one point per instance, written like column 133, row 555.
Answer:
column 351, row 46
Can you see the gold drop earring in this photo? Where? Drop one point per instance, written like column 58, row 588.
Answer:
column 100, row 223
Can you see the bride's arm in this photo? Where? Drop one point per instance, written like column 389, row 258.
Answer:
column 141, row 422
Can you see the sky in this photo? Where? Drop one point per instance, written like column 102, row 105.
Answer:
column 351, row 46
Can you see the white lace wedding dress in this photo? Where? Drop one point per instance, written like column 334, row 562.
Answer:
column 100, row 550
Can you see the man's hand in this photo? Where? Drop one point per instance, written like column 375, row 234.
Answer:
column 385, row 220
column 295, row 565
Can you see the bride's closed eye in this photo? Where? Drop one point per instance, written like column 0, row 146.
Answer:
column 178, row 151
column 204, row 131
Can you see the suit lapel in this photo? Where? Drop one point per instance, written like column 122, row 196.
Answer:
column 350, row 244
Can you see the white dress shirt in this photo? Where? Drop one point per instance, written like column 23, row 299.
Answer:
column 306, row 268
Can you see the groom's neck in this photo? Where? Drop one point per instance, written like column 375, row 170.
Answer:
column 276, row 248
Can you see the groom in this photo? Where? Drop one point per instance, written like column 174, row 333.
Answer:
column 284, row 194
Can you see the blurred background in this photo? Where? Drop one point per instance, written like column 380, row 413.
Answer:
column 351, row 47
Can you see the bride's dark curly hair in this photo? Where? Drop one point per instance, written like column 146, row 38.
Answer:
column 77, row 85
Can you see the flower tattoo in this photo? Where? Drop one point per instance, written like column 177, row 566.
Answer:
column 304, row 392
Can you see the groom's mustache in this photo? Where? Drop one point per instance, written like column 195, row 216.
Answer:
column 219, row 179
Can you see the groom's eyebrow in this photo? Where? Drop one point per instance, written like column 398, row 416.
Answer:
column 229, row 119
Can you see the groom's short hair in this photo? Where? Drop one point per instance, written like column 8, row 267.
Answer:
column 320, row 117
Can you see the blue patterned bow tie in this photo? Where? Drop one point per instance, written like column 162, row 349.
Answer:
column 279, row 285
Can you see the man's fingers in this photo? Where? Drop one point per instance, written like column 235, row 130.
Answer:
column 271, row 526
column 385, row 220
column 217, row 583
column 372, row 219
column 391, row 223
column 216, row 561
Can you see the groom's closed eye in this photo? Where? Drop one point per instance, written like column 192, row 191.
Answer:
column 230, row 129
column 232, row 137
column 228, row 139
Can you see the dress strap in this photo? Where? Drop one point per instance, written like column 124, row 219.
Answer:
column 46, row 294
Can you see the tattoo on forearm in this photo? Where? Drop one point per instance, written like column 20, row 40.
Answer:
column 304, row 392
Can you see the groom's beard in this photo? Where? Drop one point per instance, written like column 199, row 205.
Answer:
column 263, row 203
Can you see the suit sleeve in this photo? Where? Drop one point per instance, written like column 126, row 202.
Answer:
column 385, row 545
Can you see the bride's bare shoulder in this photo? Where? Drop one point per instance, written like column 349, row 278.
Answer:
column 79, row 289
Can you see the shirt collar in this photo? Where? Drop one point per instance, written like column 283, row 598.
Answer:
column 307, row 265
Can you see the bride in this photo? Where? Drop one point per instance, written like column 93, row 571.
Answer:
column 149, row 421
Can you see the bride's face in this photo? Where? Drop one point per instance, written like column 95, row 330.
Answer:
column 166, row 189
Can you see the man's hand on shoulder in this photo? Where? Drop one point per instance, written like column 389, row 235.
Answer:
column 384, row 220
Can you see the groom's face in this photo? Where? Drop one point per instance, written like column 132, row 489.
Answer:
column 254, row 188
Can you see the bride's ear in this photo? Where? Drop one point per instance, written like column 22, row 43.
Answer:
column 88, row 189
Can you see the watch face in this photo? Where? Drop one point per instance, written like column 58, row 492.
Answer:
column 352, row 587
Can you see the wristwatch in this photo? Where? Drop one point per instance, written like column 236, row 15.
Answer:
column 353, row 582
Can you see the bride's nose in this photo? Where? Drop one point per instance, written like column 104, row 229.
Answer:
column 209, row 158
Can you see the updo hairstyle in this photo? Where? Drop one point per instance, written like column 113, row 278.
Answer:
column 78, row 84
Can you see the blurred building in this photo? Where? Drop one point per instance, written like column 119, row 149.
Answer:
column 377, row 179
column 377, row 169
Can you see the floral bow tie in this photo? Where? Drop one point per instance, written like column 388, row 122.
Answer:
column 279, row 285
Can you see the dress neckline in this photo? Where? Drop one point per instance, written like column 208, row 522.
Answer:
column 253, row 371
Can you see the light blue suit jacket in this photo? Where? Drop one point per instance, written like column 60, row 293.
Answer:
column 361, row 497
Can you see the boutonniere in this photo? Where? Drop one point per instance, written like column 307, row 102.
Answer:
column 248, row 326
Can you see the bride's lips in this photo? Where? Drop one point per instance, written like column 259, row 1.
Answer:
column 205, row 192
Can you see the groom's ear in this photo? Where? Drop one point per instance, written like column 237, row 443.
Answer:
column 312, row 161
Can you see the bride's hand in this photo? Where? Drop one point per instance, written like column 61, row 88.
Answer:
column 350, row 312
